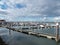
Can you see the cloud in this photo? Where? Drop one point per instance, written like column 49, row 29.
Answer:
column 57, row 18
column 20, row 8
column 57, row 8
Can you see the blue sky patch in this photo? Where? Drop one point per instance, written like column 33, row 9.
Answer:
column 0, row 0
column 4, row 6
column 20, row 6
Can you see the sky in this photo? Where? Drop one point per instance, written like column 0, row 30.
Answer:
column 30, row 10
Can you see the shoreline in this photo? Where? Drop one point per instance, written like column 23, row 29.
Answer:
column 2, row 42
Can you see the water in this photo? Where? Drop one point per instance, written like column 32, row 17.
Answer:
column 17, row 38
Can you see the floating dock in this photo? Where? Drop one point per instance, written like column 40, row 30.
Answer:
column 33, row 33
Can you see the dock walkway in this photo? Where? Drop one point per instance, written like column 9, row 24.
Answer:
column 33, row 33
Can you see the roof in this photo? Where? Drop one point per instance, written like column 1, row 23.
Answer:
column 2, row 20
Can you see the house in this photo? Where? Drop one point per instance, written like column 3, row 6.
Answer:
column 2, row 22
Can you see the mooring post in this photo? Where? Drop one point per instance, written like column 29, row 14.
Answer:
column 9, row 32
column 57, row 32
column 9, row 29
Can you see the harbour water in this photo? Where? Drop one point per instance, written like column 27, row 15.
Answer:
column 17, row 38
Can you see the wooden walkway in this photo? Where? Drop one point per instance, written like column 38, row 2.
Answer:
column 33, row 33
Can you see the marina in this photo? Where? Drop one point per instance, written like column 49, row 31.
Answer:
column 32, row 33
column 40, row 30
column 17, row 38
column 29, row 22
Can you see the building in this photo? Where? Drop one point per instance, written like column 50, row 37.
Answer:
column 2, row 22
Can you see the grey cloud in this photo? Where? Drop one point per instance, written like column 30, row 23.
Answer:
column 38, row 8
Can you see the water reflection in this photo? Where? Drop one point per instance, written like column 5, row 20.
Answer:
column 57, row 43
column 16, row 38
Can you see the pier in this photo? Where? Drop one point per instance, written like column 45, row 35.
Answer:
column 27, row 27
column 34, row 34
